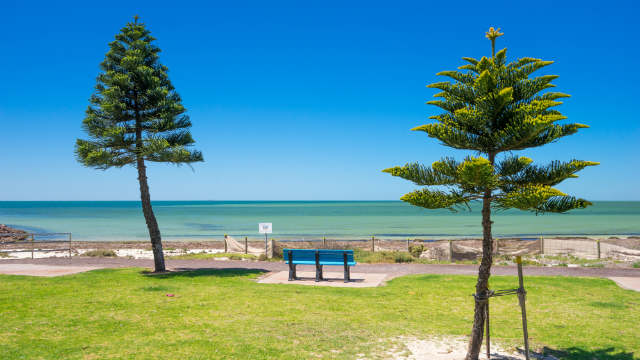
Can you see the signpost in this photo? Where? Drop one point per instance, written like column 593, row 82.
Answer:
column 265, row 228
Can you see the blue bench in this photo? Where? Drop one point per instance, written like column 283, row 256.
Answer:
column 319, row 258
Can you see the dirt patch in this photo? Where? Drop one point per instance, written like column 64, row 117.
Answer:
column 450, row 348
column 333, row 279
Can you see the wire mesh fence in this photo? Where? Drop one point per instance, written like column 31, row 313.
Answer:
column 625, row 249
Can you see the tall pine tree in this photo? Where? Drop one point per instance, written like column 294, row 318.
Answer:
column 494, row 108
column 136, row 116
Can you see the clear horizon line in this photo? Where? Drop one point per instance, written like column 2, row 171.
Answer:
column 272, row 200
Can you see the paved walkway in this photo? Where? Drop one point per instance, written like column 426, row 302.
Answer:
column 628, row 283
column 390, row 270
column 42, row 270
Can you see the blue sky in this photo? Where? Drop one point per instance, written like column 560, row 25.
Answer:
column 307, row 100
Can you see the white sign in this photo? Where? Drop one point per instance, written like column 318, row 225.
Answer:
column 265, row 228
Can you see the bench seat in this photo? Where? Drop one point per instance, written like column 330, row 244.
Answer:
column 319, row 258
column 341, row 263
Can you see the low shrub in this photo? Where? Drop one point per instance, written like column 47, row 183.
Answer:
column 416, row 250
column 100, row 253
column 594, row 265
column 386, row 257
column 403, row 257
column 242, row 257
column 636, row 265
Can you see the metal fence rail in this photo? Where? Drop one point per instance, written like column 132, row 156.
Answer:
column 34, row 242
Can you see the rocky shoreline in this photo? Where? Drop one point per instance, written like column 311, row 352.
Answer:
column 8, row 234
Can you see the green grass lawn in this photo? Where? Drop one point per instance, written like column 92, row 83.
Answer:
column 224, row 314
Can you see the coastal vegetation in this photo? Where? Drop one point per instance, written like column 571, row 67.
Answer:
column 222, row 314
column 494, row 108
column 135, row 117
column 204, row 255
column 100, row 253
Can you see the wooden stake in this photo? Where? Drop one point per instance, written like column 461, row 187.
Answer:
column 598, row 247
column 521, row 300
column 450, row 251
column 373, row 244
column 542, row 245
column 408, row 246
column 246, row 246
column 69, row 245
column 32, row 246
column 486, row 314
column 225, row 243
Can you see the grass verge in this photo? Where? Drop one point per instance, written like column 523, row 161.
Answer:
column 222, row 314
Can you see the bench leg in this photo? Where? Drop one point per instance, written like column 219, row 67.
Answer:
column 319, row 273
column 347, row 274
column 318, row 267
column 292, row 272
column 292, row 267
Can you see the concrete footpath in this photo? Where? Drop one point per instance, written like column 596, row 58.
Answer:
column 43, row 270
column 625, row 277
column 629, row 283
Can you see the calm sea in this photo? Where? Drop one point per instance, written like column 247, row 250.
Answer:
column 190, row 220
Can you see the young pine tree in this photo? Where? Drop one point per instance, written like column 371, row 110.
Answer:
column 494, row 108
column 136, row 116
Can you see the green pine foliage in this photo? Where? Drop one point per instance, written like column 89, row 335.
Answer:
column 135, row 111
column 494, row 107
column 136, row 116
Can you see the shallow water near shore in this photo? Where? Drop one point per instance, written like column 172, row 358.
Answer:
column 210, row 220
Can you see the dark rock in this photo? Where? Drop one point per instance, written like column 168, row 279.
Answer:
column 10, row 234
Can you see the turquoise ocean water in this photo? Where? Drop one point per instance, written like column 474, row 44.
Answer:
column 196, row 220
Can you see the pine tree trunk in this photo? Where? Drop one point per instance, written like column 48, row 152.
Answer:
column 484, row 272
column 145, row 197
column 150, row 218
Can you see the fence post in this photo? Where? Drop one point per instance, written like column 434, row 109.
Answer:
column 266, row 245
column 32, row 245
column 373, row 244
column 324, row 242
column 69, row 245
column 408, row 246
column 225, row 243
column 542, row 245
column 497, row 246
column 246, row 246
column 450, row 251
column 598, row 247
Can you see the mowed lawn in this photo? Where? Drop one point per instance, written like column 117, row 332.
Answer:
column 225, row 314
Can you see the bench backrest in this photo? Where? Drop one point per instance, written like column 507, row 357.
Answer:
column 325, row 256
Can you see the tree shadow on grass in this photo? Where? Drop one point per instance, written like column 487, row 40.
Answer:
column 191, row 273
column 575, row 353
